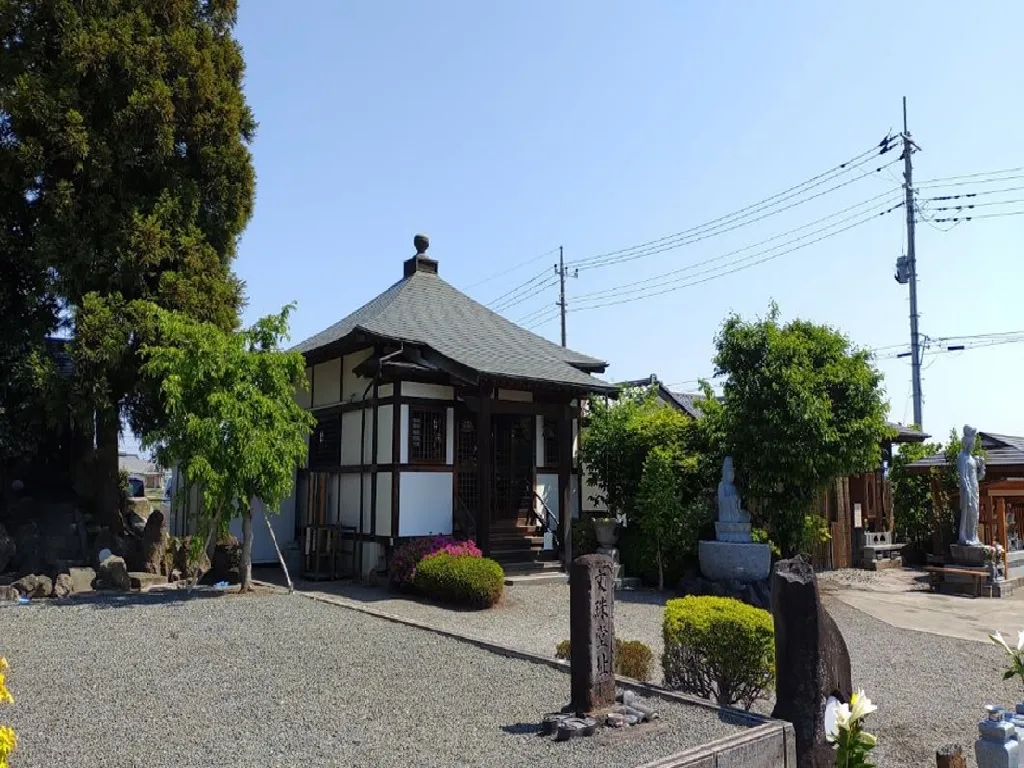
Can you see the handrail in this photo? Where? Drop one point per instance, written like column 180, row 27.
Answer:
column 548, row 522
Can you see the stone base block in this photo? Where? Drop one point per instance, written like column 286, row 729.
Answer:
column 755, row 593
column 968, row 554
column 732, row 532
column 734, row 561
column 611, row 552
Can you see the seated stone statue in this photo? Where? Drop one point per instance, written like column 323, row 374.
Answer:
column 729, row 507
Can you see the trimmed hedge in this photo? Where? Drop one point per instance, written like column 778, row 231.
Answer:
column 474, row 582
column 719, row 648
column 633, row 658
column 408, row 555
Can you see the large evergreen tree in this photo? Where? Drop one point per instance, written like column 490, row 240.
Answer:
column 127, row 179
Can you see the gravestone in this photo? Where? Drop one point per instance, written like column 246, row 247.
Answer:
column 592, row 633
column 811, row 660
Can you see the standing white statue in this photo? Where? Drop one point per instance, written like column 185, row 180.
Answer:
column 971, row 469
column 729, row 507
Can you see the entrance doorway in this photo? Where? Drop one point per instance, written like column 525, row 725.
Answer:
column 514, row 453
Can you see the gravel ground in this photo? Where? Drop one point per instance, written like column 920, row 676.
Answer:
column 930, row 689
column 534, row 618
column 273, row 680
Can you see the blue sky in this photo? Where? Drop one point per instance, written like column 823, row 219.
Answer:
column 506, row 130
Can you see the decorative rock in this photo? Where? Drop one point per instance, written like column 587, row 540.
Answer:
column 154, row 544
column 592, row 633
column 29, row 551
column 811, row 659
column 142, row 580
column 549, row 724
column 755, row 593
column 615, row 720
column 570, row 728
column 8, row 595
column 8, row 549
column 34, row 586
column 62, row 585
column 645, row 712
column 82, row 579
column 113, row 574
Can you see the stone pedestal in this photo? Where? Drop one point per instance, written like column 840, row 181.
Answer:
column 998, row 746
column 732, row 531
column 592, row 633
column 734, row 561
column 969, row 554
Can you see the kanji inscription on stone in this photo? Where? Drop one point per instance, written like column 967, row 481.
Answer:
column 592, row 632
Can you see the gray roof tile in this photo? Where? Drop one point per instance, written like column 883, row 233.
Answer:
column 424, row 309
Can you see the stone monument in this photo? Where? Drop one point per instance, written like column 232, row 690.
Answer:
column 812, row 662
column 969, row 550
column 592, row 633
column 733, row 556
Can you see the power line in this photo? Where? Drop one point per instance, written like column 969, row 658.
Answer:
column 735, row 220
column 969, row 206
column 685, row 272
column 514, row 295
column 971, row 176
column 964, row 195
column 978, row 216
column 511, row 269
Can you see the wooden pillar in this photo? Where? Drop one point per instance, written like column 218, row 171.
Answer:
column 485, row 472
column 1001, row 516
column 564, row 482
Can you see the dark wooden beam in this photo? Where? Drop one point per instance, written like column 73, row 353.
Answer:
column 564, row 482
column 429, row 358
column 516, row 408
column 485, row 472
column 396, row 457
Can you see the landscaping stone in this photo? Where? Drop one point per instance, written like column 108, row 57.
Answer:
column 812, row 661
column 184, row 565
column 62, row 586
column 34, row 586
column 29, row 555
column 592, row 633
column 7, row 549
column 113, row 574
column 8, row 594
column 81, row 579
column 107, row 540
column 226, row 562
column 142, row 580
column 755, row 593
column 154, row 544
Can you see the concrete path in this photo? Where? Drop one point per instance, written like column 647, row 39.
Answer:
column 900, row 599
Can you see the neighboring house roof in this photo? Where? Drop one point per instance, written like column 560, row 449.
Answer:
column 1001, row 451
column 422, row 309
column 136, row 465
column 688, row 402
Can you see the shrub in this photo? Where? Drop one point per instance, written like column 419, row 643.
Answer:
column 8, row 739
column 633, row 658
column 718, row 648
column 584, row 540
column 475, row 582
column 409, row 554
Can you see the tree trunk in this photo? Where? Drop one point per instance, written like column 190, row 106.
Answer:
column 108, row 479
column 245, row 567
column 661, row 566
column 280, row 557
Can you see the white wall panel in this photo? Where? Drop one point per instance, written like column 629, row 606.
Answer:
column 432, row 391
column 352, row 386
column 327, row 383
column 515, row 395
column 425, row 500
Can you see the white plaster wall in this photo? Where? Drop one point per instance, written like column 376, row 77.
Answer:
column 350, row 500
column 403, row 433
column 385, row 433
column 350, row 438
column 383, row 503
column 302, row 393
column 373, row 558
column 449, row 451
column 433, row 391
column 547, row 489
column 575, row 439
column 327, row 383
column 386, row 390
column 515, row 395
column 425, row 500
column 263, row 551
column 352, row 386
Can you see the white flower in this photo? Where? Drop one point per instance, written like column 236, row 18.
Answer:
column 997, row 638
column 831, row 722
column 860, row 706
column 1020, row 641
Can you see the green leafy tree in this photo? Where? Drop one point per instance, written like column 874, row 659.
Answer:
column 233, row 427
column 912, row 509
column 802, row 407
column 127, row 179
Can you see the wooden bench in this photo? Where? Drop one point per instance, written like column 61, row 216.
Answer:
column 937, row 574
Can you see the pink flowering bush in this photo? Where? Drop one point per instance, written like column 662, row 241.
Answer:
column 410, row 553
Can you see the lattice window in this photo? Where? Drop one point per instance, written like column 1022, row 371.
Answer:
column 325, row 443
column 551, row 442
column 427, row 435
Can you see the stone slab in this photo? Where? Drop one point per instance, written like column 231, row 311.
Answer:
column 141, row 581
column 968, row 554
column 734, row 561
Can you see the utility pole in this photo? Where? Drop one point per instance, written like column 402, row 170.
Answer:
column 915, row 339
column 562, row 273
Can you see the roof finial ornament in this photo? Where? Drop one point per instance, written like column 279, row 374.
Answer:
column 421, row 242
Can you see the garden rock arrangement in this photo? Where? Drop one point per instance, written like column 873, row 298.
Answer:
column 628, row 712
column 755, row 593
